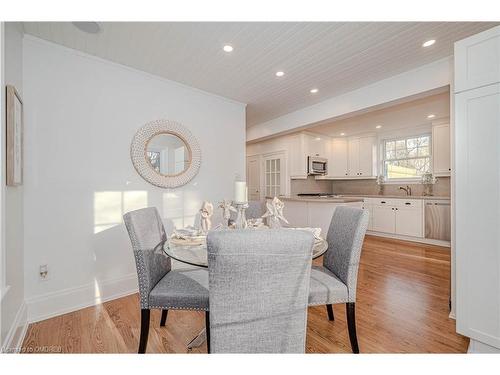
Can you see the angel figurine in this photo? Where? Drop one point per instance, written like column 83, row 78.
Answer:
column 226, row 211
column 206, row 212
column 274, row 213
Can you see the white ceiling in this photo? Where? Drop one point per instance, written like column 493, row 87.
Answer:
column 409, row 115
column 334, row 57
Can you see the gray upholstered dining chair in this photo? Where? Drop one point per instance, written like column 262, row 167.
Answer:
column 160, row 287
column 258, row 286
column 336, row 281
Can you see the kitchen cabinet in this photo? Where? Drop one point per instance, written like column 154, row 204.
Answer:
column 477, row 213
column 362, row 157
column 337, row 155
column 477, row 187
column 384, row 219
column 477, row 60
column 403, row 217
column 441, row 156
column 368, row 207
column 302, row 145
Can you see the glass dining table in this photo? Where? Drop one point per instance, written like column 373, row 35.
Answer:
column 194, row 253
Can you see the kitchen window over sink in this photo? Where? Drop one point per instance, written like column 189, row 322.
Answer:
column 407, row 158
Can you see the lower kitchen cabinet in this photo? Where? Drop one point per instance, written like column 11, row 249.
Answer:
column 397, row 216
column 384, row 219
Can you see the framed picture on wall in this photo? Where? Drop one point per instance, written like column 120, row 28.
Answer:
column 14, row 134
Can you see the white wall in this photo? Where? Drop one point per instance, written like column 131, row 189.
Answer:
column 81, row 114
column 13, row 310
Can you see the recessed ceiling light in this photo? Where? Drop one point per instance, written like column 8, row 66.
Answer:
column 378, row 126
column 313, row 91
column 342, row 133
column 318, row 139
column 88, row 27
column 429, row 43
column 280, row 74
column 228, row 48
column 431, row 116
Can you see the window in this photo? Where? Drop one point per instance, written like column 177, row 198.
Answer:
column 407, row 157
column 272, row 176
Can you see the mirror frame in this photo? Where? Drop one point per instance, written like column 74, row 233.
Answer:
column 138, row 150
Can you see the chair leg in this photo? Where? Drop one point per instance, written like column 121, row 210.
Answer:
column 351, row 326
column 163, row 317
column 207, row 329
column 329, row 309
column 143, row 341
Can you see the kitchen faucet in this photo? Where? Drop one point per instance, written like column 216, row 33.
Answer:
column 407, row 189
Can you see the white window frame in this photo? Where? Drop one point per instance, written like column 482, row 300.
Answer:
column 399, row 137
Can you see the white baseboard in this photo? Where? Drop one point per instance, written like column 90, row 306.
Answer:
column 67, row 300
column 427, row 241
column 17, row 331
column 479, row 347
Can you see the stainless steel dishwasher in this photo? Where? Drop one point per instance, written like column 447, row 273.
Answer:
column 438, row 219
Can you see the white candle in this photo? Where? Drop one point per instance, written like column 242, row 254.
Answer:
column 240, row 188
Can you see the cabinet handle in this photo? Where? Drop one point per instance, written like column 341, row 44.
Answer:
column 346, row 174
column 383, row 202
column 360, row 173
column 396, row 209
column 407, row 203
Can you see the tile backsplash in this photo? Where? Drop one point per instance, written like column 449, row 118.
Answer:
column 368, row 187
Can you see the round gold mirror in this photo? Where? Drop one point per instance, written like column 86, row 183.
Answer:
column 165, row 154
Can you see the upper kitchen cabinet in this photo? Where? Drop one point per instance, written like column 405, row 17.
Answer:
column 362, row 157
column 337, row 161
column 441, row 157
column 477, row 60
column 301, row 146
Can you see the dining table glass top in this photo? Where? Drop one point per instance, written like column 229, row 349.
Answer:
column 194, row 251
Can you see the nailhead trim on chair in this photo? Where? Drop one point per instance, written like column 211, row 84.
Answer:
column 178, row 308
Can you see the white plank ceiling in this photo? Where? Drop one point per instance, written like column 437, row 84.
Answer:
column 334, row 57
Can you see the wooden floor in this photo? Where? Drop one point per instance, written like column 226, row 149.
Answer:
column 402, row 307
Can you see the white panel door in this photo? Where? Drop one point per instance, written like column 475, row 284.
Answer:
column 441, row 156
column 477, row 60
column 337, row 166
column 366, row 156
column 409, row 221
column 384, row 219
column 353, row 160
column 253, row 177
column 274, row 174
column 477, row 213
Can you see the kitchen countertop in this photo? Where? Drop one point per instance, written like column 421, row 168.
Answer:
column 426, row 197
column 320, row 199
column 348, row 198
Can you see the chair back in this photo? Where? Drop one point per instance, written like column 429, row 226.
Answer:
column 146, row 231
column 258, row 290
column 345, row 241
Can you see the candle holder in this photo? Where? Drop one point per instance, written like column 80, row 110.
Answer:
column 241, row 221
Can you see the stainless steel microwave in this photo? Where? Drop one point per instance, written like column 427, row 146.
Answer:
column 317, row 166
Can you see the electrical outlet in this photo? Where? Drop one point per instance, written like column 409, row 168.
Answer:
column 44, row 272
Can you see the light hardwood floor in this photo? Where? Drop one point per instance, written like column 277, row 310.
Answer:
column 402, row 307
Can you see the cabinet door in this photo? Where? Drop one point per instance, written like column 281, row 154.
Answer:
column 477, row 60
column 366, row 156
column 297, row 157
column 384, row 219
column 316, row 145
column 441, row 157
column 296, row 213
column 409, row 221
column 354, row 157
column 477, row 213
column 338, row 160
